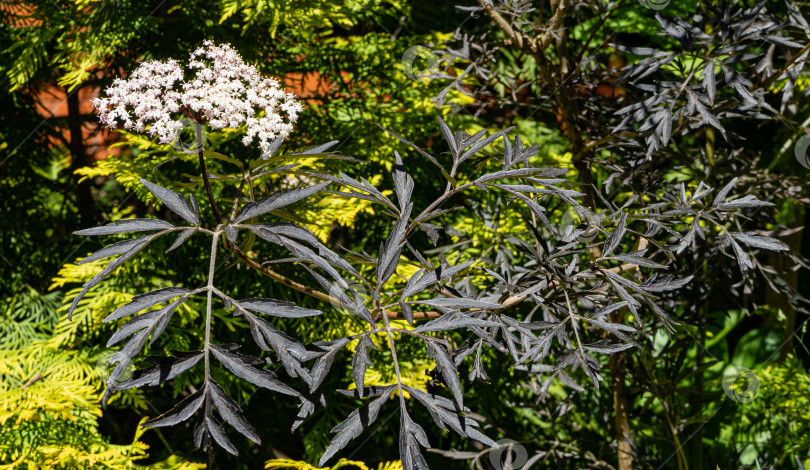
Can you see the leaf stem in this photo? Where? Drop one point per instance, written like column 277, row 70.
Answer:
column 208, row 307
column 393, row 354
column 207, row 345
column 278, row 277
column 205, row 174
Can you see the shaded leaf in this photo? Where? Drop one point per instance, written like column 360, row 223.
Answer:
column 231, row 412
column 144, row 301
column 277, row 308
column 277, row 200
column 243, row 366
column 177, row 203
column 447, row 368
column 126, row 226
column 615, row 237
column 180, row 412
column 360, row 361
column 357, row 422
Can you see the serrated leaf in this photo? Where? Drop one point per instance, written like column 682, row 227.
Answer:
column 758, row 241
column 422, row 279
column 607, row 348
column 144, row 320
column 411, row 436
column 360, row 360
column 280, row 233
column 392, row 247
column 144, row 301
column 453, row 320
column 447, row 368
column 180, row 412
column 638, row 260
column 241, row 367
column 305, row 410
column 448, row 136
column 608, row 309
column 366, row 186
column 509, row 174
column 231, row 412
column 615, row 237
column 277, row 308
column 445, row 413
column 175, row 202
column 481, row 144
column 164, row 319
column 184, row 235
column 357, row 422
column 318, row 149
column 709, row 81
column 115, row 249
column 783, row 41
column 403, row 183
column 665, row 283
column 536, row 208
column 126, row 226
column 447, row 302
column 215, row 430
column 166, row 368
column 324, row 363
column 277, row 200
column 289, row 351
column 743, row 203
column 112, row 266
column 666, row 127
column 721, row 196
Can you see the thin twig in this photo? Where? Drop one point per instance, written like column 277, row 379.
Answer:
column 33, row 380
column 205, row 174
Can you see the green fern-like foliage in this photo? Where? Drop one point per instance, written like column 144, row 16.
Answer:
column 778, row 419
column 49, row 405
column 50, row 392
column 27, row 316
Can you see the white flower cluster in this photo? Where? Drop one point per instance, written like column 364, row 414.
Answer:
column 225, row 92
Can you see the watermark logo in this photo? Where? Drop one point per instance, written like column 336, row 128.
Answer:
column 187, row 140
column 351, row 299
column 654, row 4
column 800, row 150
column 509, row 455
column 418, row 61
column 578, row 227
column 740, row 384
column 104, row 368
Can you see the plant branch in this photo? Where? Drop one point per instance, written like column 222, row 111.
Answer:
column 515, row 37
column 278, row 277
column 791, row 63
column 208, row 308
column 205, row 174
column 33, row 380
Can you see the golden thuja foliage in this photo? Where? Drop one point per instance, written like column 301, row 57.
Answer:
column 50, row 391
column 298, row 465
column 49, row 407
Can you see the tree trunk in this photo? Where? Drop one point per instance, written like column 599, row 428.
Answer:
column 621, row 412
column 79, row 159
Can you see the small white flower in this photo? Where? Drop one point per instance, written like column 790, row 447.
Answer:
column 221, row 89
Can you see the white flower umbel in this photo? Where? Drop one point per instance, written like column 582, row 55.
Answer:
column 221, row 90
